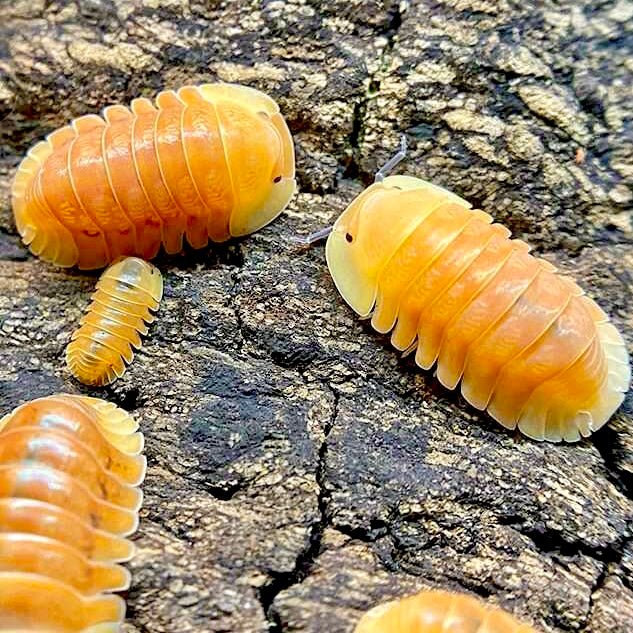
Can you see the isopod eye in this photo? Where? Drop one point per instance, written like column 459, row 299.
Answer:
column 277, row 179
column 264, row 115
column 349, row 237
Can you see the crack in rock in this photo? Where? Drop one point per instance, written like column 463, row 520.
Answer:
column 307, row 558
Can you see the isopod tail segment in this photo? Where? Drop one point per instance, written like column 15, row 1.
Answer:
column 65, row 513
column 206, row 162
column 127, row 296
column 524, row 342
column 433, row 611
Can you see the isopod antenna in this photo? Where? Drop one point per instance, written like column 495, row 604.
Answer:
column 393, row 162
column 380, row 175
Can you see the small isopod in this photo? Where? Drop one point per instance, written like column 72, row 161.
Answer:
column 526, row 342
column 438, row 612
column 127, row 293
column 70, row 467
column 207, row 162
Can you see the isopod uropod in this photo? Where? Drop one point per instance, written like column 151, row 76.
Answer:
column 526, row 343
column 69, row 471
column 127, row 293
column 438, row 612
column 207, row 162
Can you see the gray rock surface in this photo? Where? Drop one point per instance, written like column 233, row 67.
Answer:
column 300, row 471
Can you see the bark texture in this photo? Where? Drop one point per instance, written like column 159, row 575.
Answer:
column 300, row 471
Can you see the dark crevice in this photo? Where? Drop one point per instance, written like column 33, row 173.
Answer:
column 597, row 586
column 376, row 530
column 479, row 590
column 306, row 559
column 224, row 491
column 393, row 26
column 352, row 169
column 132, row 615
column 214, row 255
column 220, row 490
column 607, row 442
column 299, row 358
column 357, row 134
column 127, row 399
column 551, row 542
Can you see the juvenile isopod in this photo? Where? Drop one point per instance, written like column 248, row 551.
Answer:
column 70, row 467
column 525, row 342
column 207, row 162
column 127, row 293
column 439, row 612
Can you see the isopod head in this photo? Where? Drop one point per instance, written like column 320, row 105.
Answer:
column 266, row 159
column 137, row 273
column 370, row 230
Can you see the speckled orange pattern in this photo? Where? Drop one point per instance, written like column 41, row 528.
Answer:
column 127, row 294
column 206, row 162
column 439, row 612
column 525, row 342
column 69, row 471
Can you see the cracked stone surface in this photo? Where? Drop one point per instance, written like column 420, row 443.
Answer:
column 300, row 471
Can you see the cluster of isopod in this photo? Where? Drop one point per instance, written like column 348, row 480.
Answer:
column 70, row 467
column 216, row 160
column 211, row 162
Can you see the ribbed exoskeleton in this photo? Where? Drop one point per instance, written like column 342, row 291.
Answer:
column 127, row 293
column 439, row 612
column 70, row 467
column 206, row 162
column 526, row 343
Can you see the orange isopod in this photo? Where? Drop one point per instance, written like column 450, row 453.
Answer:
column 439, row 612
column 127, row 293
column 70, row 467
column 526, row 343
column 208, row 162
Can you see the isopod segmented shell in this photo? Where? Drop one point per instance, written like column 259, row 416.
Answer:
column 526, row 343
column 70, row 467
column 439, row 612
column 207, row 162
column 127, row 293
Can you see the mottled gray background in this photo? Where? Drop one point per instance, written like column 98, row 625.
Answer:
column 300, row 471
